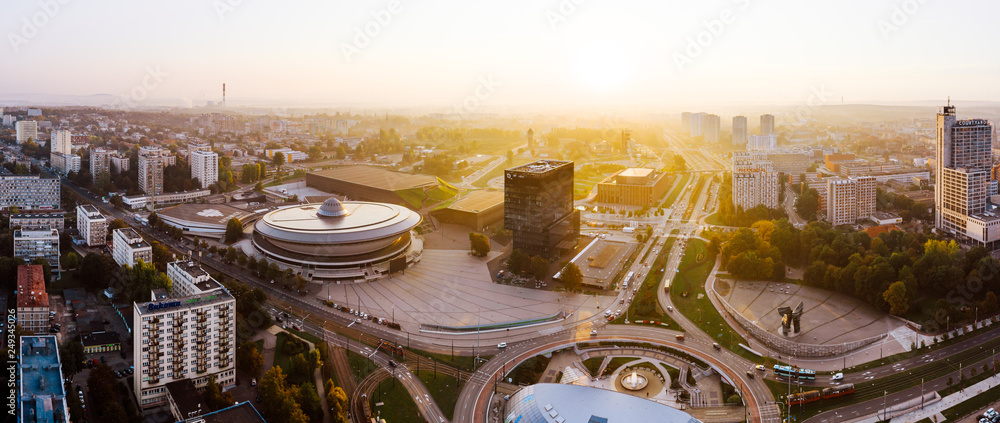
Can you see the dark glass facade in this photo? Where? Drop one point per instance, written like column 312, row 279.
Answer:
column 538, row 207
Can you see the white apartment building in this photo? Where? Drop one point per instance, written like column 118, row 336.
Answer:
column 290, row 155
column 37, row 221
column 129, row 247
column 710, row 127
column 963, row 163
column 762, row 142
column 93, row 226
column 28, row 192
column 205, row 167
column 26, row 130
column 740, row 134
column 849, row 199
column 188, row 335
column 120, row 163
column 767, row 125
column 754, row 181
column 151, row 163
column 32, row 244
column 100, row 161
column 61, row 141
column 65, row 163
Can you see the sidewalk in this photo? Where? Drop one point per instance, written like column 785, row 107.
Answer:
column 934, row 410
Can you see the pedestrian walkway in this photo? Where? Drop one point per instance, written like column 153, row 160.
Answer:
column 933, row 411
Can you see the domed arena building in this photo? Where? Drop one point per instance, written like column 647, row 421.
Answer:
column 340, row 241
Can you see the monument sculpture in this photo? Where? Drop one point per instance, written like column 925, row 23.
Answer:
column 790, row 319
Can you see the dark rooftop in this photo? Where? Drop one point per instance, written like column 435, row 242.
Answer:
column 243, row 412
column 100, row 338
column 187, row 398
column 377, row 177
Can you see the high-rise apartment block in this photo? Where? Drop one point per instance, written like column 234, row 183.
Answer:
column 184, row 338
column 61, row 141
column 120, row 163
column 740, row 131
column 100, row 162
column 538, row 207
column 35, row 244
column 93, row 226
column 129, row 247
column 849, row 199
column 205, row 167
column 767, row 124
column 26, row 130
column 692, row 124
column 28, row 192
column 754, row 181
column 962, row 176
column 710, row 126
column 151, row 163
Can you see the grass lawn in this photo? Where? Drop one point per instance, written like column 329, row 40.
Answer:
column 714, row 219
column 284, row 361
column 647, row 293
column 678, row 187
column 694, row 270
column 498, row 171
column 617, row 362
column 361, row 366
column 972, row 405
column 397, row 404
column 414, row 197
column 593, row 364
column 444, row 389
column 67, row 280
column 461, row 362
column 530, row 370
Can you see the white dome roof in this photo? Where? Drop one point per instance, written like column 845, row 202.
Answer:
column 332, row 208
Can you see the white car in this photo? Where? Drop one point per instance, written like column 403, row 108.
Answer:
column 502, row 345
column 838, row 376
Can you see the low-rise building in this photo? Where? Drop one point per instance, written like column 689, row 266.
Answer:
column 42, row 393
column 882, row 218
column 32, row 298
column 100, row 342
column 38, row 221
column 633, row 187
column 129, row 247
column 135, row 202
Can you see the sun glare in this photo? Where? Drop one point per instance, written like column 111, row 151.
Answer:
column 603, row 65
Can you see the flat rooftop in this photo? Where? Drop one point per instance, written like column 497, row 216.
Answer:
column 171, row 304
column 540, row 166
column 636, row 172
column 100, row 338
column 207, row 214
column 204, row 281
column 377, row 177
column 41, row 377
column 477, row 201
column 243, row 412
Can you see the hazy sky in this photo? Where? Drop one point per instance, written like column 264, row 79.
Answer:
column 548, row 52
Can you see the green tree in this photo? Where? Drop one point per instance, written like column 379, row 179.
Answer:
column 134, row 283
column 94, row 270
column 572, row 277
column 231, row 254
column 807, row 204
column 895, row 296
column 116, row 224
column 539, row 267
column 249, row 359
column 336, row 398
column 70, row 261
column 234, row 230
column 72, row 356
column 278, row 160
column 519, row 262
column 215, row 399
column 309, row 400
column 479, row 243
column 278, row 400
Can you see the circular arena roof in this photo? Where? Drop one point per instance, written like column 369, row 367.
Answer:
column 335, row 222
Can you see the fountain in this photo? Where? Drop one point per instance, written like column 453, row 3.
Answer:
column 634, row 381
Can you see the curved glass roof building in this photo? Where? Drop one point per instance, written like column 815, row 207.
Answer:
column 350, row 240
column 558, row 403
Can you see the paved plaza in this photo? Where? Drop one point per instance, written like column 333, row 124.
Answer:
column 828, row 317
column 450, row 287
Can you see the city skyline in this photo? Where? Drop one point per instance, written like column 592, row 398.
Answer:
column 522, row 54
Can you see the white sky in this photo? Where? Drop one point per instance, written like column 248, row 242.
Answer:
column 597, row 53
